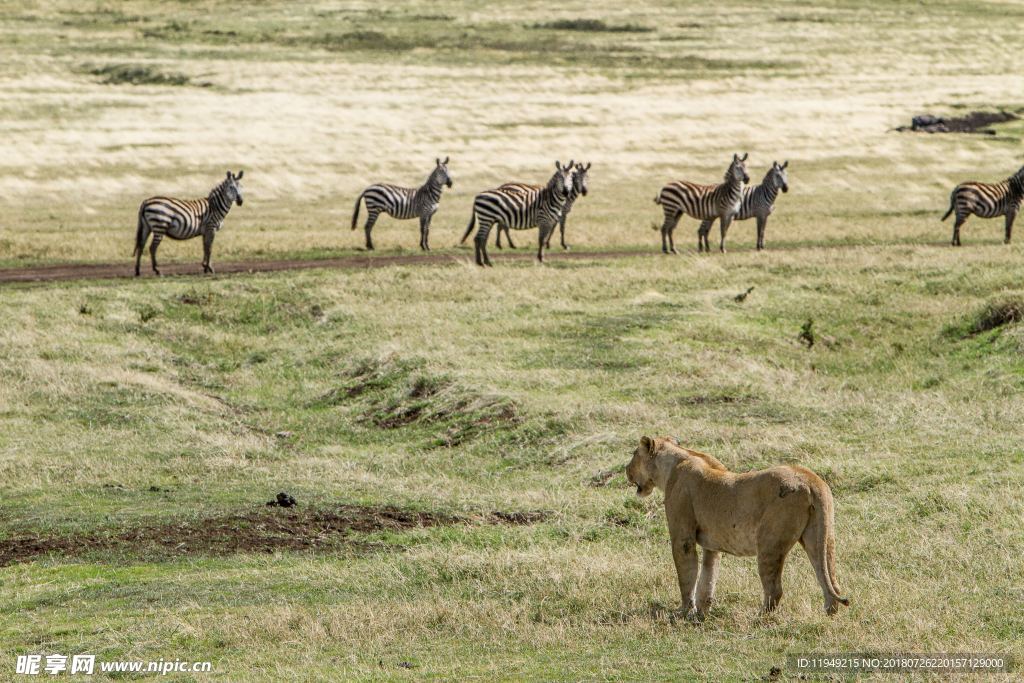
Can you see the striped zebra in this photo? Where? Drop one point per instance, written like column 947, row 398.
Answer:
column 758, row 202
column 530, row 207
column 987, row 200
column 183, row 219
column 579, row 188
column 404, row 203
column 702, row 202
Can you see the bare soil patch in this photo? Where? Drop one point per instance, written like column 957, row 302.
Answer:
column 261, row 530
column 106, row 271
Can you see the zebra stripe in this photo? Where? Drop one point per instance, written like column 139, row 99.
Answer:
column 404, row 203
column 183, row 219
column 987, row 200
column 579, row 188
column 758, row 202
column 702, row 202
column 532, row 207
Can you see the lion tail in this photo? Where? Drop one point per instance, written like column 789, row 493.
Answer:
column 826, row 547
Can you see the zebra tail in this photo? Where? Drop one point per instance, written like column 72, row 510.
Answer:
column 138, row 236
column 355, row 214
column 952, row 205
column 657, row 198
column 469, row 228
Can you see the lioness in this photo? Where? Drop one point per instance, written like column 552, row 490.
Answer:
column 760, row 513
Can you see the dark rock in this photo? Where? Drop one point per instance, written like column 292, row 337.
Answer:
column 283, row 500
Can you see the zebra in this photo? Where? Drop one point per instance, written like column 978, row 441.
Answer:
column 405, row 202
column 183, row 219
column 579, row 188
column 533, row 206
column 702, row 201
column 758, row 202
column 987, row 200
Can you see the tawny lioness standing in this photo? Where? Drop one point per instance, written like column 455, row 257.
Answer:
column 763, row 513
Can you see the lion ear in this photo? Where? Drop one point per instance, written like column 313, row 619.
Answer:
column 647, row 442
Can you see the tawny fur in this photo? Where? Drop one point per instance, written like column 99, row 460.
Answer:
column 763, row 513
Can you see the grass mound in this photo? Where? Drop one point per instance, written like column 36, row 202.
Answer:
column 592, row 26
column 364, row 41
column 993, row 315
column 392, row 392
column 137, row 74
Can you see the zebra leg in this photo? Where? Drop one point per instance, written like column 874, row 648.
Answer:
column 207, row 248
column 480, row 243
column 561, row 234
column 497, row 237
column 157, row 237
column 423, row 234
column 960, row 220
column 140, row 247
column 702, row 233
column 723, row 227
column 1010, row 216
column 762, row 223
column 671, row 221
column 543, row 236
column 508, row 237
column 371, row 218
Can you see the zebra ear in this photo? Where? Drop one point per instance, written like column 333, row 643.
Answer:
column 572, row 162
column 229, row 175
column 744, row 157
column 558, row 165
column 437, row 160
column 587, row 168
column 445, row 162
column 239, row 176
column 785, row 164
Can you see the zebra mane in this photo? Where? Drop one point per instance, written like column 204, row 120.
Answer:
column 219, row 190
column 435, row 177
column 1017, row 182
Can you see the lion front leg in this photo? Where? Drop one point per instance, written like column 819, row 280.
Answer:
column 684, row 553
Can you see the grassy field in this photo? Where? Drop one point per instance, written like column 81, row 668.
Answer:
column 455, row 437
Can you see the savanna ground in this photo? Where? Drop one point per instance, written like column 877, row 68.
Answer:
column 455, row 437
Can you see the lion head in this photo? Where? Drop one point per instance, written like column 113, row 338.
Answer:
column 640, row 470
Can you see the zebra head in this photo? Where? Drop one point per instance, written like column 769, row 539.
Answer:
column 737, row 172
column 440, row 175
column 561, row 181
column 231, row 188
column 579, row 179
column 777, row 176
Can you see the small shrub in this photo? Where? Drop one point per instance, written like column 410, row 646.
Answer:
column 147, row 313
column 806, row 335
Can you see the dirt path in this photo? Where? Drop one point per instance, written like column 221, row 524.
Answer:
column 105, row 271
column 108, row 271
